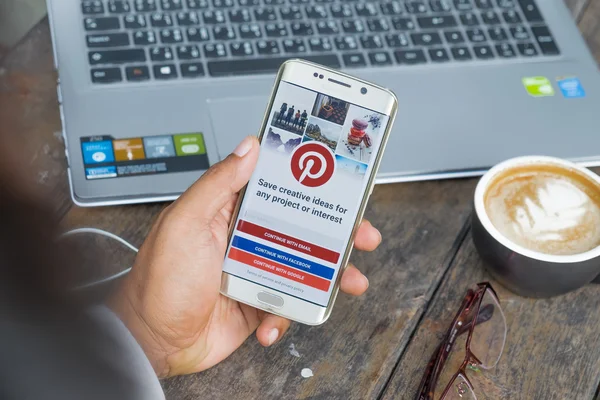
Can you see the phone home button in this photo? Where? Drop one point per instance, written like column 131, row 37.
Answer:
column 270, row 299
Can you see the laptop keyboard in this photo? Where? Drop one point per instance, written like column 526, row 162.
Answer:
column 141, row 40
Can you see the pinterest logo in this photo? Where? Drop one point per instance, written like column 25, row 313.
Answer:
column 313, row 164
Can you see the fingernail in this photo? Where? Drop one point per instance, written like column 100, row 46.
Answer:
column 380, row 237
column 243, row 148
column 273, row 335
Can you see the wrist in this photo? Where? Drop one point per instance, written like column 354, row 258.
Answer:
column 128, row 311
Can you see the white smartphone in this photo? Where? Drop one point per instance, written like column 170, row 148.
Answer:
column 322, row 140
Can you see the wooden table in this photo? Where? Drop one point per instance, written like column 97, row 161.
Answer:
column 375, row 346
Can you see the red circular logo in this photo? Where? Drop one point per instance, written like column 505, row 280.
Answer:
column 313, row 164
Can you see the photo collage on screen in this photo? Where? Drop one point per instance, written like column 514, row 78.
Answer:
column 301, row 115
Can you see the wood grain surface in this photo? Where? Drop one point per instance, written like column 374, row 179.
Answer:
column 373, row 345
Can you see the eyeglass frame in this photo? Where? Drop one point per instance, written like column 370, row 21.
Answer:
column 441, row 354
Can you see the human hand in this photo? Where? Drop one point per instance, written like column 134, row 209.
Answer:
column 171, row 302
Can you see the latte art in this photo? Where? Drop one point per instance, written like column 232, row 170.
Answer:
column 546, row 208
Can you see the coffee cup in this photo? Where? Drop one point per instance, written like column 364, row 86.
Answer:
column 536, row 225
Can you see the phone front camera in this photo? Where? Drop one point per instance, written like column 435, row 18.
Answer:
column 316, row 74
column 363, row 90
column 321, row 77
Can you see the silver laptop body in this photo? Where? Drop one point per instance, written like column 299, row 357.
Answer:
column 458, row 115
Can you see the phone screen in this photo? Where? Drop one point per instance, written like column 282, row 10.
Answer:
column 302, row 201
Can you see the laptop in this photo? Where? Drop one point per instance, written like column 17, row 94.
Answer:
column 152, row 92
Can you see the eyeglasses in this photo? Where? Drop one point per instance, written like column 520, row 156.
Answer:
column 475, row 345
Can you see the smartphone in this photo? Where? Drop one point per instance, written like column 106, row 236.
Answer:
column 322, row 140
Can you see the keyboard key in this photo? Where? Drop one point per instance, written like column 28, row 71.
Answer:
column 476, row 35
column 161, row 54
column 265, row 47
column 440, row 5
column 276, row 29
column 252, row 31
column 169, row 36
column 107, row 40
column 239, row 49
column 116, row 56
column 197, row 4
column 490, row 18
column 461, row 53
column 519, row 33
column 161, row 20
column 189, row 18
column 391, row 8
column 378, row 25
column 469, row 19
column 441, row 21
column 144, row 5
column 171, row 5
column 483, row 52
column 301, row 29
column 463, row 5
column 92, row 7
column 354, row 60
column 134, row 21
column 404, row 24
column 320, row 44
column 366, row 10
column 438, row 55
column 166, row 71
column 213, row 17
column 118, row 6
column 511, row 17
column 346, row 43
column 223, row 3
column 484, row 4
column 137, row 73
column 101, row 23
column 189, row 52
column 380, row 58
column 341, row 11
column 215, row 50
column 249, row 3
column 198, row 34
column 497, row 34
column 531, row 11
column 290, row 13
column 192, row 70
column 454, row 37
column 505, row 50
column 106, row 75
column 328, row 27
column 316, row 12
column 143, row 38
column 274, row 2
column 410, row 57
column 527, row 49
column 353, row 26
column 224, row 33
column 263, row 65
column 265, row 14
column 416, row 7
column 294, row 46
column 238, row 16
column 371, row 42
column 397, row 40
column 506, row 3
column 426, row 39
column 545, row 40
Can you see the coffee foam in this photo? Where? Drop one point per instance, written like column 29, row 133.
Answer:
column 546, row 208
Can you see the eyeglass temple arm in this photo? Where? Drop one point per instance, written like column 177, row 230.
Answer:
column 438, row 359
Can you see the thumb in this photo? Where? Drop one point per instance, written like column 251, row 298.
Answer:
column 210, row 193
